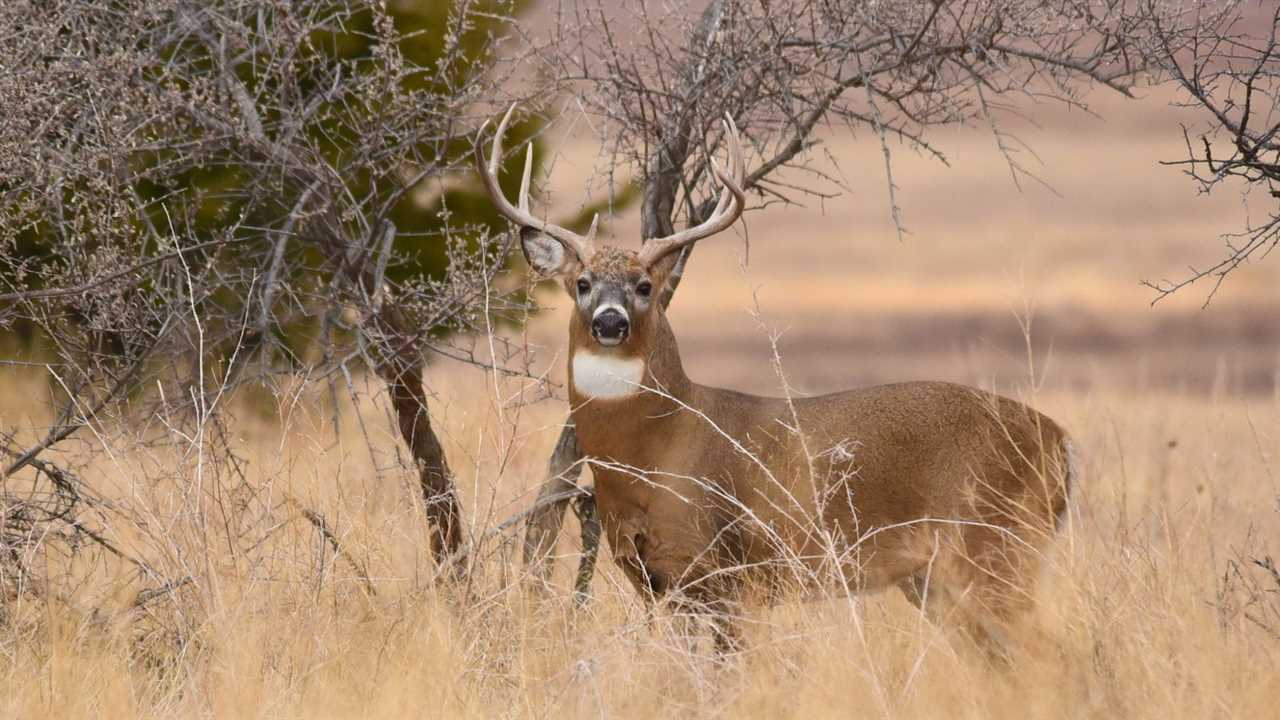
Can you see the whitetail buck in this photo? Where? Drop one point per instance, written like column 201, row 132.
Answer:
column 949, row 492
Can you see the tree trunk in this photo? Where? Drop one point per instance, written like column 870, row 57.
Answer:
column 399, row 362
column 439, row 496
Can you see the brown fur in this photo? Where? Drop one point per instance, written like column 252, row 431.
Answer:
column 705, row 493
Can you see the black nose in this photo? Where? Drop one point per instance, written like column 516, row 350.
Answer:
column 610, row 325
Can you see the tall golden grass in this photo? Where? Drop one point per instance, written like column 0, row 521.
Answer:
column 1151, row 607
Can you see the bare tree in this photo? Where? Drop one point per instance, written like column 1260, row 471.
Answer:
column 1229, row 67
column 263, row 188
column 657, row 78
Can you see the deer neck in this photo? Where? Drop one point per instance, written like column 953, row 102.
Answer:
column 641, row 377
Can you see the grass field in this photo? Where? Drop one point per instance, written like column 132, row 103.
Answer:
column 1152, row 606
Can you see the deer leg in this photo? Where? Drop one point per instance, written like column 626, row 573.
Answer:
column 726, row 630
column 589, row 521
column 944, row 608
column 1001, row 606
column 931, row 598
column 984, row 588
column 720, row 615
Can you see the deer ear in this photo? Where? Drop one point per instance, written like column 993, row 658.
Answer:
column 546, row 255
column 667, row 271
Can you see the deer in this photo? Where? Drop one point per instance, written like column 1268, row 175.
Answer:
column 710, row 497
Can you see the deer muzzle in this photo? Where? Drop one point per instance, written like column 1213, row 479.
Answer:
column 610, row 326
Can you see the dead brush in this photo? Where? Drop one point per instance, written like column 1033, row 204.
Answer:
column 1248, row 591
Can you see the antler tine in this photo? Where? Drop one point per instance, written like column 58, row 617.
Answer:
column 524, row 179
column 728, row 208
column 520, row 214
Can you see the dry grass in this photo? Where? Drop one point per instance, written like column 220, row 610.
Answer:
column 1142, row 613
column 1151, row 606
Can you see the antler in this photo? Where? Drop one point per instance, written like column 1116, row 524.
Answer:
column 582, row 245
column 727, row 211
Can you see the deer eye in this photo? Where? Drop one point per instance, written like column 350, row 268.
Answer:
column 584, row 287
column 644, row 288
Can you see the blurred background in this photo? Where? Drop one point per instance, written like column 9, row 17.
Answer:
column 1023, row 258
column 984, row 260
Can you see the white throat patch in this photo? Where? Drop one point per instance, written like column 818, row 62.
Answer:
column 605, row 376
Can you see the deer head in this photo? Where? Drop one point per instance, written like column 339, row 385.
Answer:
column 614, row 289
